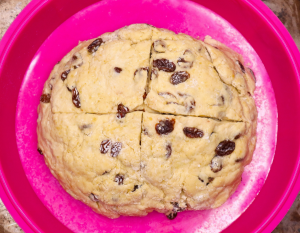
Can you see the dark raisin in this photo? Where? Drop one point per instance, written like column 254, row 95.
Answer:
column 76, row 66
column 93, row 197
column 83, row 127
column 140, row 69
column 216, row 164
column 210, row 179
column 176, row 207
column 182, row 94
column 165, row 126
column 253, row 75
column 118, row 70
column 104, row 172
column 171, row 215
column 164, row 65
column 76, row 60
column 221, row 101
column 105, row 146
column 119, row 179
column 191, row 106
column 159, row 46
column 64, row 75
column 145, row 131
column 237, row 136
column 135, row 188
column 169, row 150
column 115, row 149
column 192, row 132
column 179, row 77
column 225, row 147
column 189, row 102
column 154, row 74
column 239, row 160
column 122, row 111
column 45, row 98
column 145, row 95
column 69, row 89
column 136, row 72
column 40, row 151
column 75, row 98
column 242, row 67
column 200, row 179
column 94, row 46
column 184, row 64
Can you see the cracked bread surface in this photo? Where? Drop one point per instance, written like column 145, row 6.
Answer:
column 144, row 119
column 184, row 165
column 111, row 71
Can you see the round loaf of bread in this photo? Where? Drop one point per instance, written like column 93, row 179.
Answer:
column 144, row 119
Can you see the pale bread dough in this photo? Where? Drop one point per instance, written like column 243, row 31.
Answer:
column 180, row 167
column 216, row 83
column 71, row 145
column 107, row 153
column 101, row 88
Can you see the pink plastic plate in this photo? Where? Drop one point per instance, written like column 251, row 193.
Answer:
column 30, row 36
column 85, row 25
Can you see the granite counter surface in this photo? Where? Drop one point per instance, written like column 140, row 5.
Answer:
column 288, row 11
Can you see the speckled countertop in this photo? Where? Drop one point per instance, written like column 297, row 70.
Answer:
column 288, row 11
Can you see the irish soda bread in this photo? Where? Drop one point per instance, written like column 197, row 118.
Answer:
column 144, row 119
